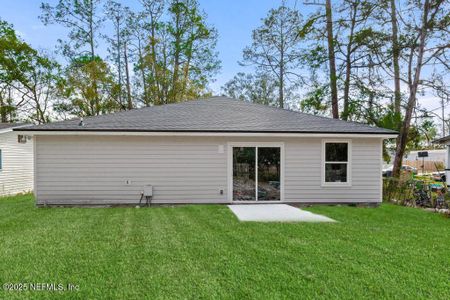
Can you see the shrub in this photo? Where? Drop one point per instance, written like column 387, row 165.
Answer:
column 400, row 191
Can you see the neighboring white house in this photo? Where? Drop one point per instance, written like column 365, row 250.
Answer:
column 446, row 141
column 433, row 155
column 16, row 161
column 216, row 150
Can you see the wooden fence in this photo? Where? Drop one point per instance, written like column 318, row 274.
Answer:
column 428, row 165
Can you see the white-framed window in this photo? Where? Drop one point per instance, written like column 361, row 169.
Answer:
column 1, row 160
column 336, row 162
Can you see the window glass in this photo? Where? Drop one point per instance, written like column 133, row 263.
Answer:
column 336, row 152
column 244, row 173
column 336, row 162
column 336, row 172
column 269, row 173
column 256, row 173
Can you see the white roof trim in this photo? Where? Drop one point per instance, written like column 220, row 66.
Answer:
column 243, row 134
column 5, row 130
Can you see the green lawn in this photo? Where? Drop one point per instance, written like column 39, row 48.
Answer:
column 204, row 252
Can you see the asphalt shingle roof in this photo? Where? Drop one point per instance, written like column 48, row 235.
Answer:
column 10, row 125
column 215, row 114
column 442, row 140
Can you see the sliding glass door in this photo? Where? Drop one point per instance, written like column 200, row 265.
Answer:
column 256, row 173
column 244, row 176
column 268, row 173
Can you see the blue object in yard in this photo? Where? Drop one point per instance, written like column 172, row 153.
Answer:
column 436, row 187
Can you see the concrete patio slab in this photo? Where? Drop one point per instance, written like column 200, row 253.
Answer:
column 275, row 213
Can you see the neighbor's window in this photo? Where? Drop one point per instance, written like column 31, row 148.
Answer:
column 336, row 162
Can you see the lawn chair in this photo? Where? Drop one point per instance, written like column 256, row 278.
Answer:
column 147, row 192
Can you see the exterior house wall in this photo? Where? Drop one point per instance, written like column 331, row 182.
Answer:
column 95, row 169
column 16, row 175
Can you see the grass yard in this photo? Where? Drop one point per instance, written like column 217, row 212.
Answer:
column 204, row 252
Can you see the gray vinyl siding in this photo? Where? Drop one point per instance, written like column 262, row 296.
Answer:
column 16, row 174
column 94, row 169
column 303, row 172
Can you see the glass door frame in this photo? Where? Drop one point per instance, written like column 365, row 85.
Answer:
column 230, row 147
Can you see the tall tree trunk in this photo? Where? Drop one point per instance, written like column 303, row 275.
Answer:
column 119, row 62
column 127, row 76
column 403, row 137
column 332, row 61
column 176, row 66
column 91, row 28
column 157, row 82
column 9, row 104
column 186, row 77
column 281, row 90
column 92, row 45
column 40, row 116
column 142, row 70
column 166, row 81
column 395, row 58
column 282, row 66
column 348, row 65
column 3, row 113
column 187, row 67
column 443, row 115
column 176, row 57
column 96, row 105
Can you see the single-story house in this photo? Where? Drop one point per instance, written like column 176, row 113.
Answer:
column 16, row 160
column 216, row 150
